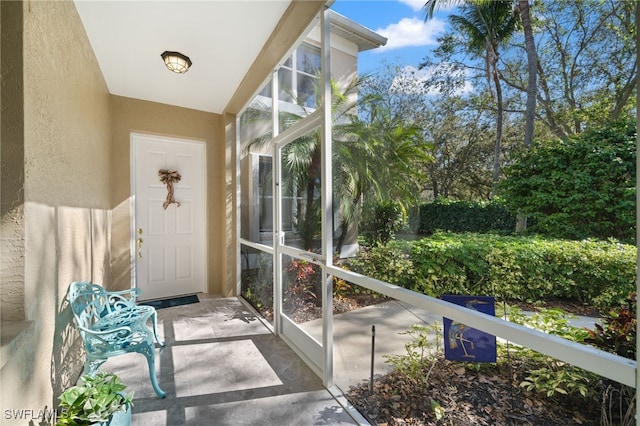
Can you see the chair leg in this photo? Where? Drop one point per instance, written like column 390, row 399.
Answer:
column 154, row 322
column 150, row 354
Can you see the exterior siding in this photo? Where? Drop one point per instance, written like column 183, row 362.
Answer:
column 66, row 186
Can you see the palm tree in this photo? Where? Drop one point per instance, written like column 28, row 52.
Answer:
column 375, row 159
column 524, row 10
column 488, row 25
column 379, row 159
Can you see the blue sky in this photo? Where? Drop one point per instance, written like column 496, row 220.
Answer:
column 410, row 39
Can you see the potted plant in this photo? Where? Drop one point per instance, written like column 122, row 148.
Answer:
column 99, row 400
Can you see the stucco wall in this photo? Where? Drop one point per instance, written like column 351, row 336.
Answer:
column 137, row 116
column 12, row 166
column 66, row 188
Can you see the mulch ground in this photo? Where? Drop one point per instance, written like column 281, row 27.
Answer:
column 463, row 395
column 468, row 394
column 459, row 394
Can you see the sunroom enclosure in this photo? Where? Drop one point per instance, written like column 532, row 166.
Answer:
column 270, row 187
column 271, row 254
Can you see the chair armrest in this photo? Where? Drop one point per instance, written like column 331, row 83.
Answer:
column 135, row 292
column 105, row 331
column 119, row 299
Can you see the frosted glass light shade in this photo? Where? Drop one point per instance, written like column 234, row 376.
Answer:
column 176, row 61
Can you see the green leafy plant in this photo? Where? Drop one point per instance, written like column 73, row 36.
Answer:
column 93, row 401
column 420, row 350
column 580, row 187
column 618, row 334
column 559, row 378
column 547, row 375
column 598, row 273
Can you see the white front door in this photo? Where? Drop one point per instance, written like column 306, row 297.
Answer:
column 168, row 243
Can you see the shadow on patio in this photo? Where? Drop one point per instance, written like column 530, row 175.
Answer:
column 221, row 365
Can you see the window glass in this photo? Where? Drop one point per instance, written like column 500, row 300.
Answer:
column 300, row 192
column 265, row 189
column 266, row 90
column 285, row 78
column 308, row 59
column 306, row 91
column 257, row 280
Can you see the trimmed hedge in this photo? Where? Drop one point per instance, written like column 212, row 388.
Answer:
column 599, row 273
column 465, row 216
column 582, row 187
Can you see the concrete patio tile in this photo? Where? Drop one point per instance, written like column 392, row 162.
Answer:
column 197, row 368
column 304, row 409
column 223, row 366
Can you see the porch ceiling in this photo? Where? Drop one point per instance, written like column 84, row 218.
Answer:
column 222, row 38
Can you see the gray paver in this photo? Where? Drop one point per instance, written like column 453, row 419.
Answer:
column 222, row 366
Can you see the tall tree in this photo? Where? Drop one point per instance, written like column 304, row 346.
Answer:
column 488, row 25
column 532, row 70
column 458, row 127
column 524, row 11
column 587, row 65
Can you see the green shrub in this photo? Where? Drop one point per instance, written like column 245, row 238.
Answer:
column 381, row 221
column 465, row 216
column 618, row 333
column 447, row 264
column 390, row 263
column 582, row 187
column 598, row 273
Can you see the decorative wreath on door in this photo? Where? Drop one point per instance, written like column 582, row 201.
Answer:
column 169, row 177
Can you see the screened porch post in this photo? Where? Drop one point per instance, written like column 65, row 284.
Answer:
column 327, row 204
column 275, row 206
column 637, row 221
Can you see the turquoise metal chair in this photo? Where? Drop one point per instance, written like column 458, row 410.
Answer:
column 111, row 324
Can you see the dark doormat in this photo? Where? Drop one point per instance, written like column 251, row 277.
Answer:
column 174, row 301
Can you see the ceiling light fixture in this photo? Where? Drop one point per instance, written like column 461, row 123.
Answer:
column 176, row 61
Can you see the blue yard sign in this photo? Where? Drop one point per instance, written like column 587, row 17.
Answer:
column 463, row 343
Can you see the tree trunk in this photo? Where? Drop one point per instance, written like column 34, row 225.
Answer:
column 532, row 65
column 532, row 89
column 521, row 223
column 344, row 227
column 498, row 146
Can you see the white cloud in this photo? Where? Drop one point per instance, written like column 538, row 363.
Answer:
column 416, row 5
column 411, row 80
column 411, row 32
